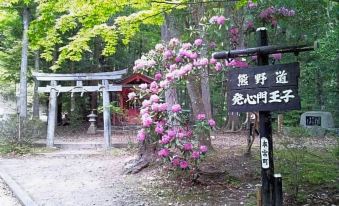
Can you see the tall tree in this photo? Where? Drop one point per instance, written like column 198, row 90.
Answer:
column 24, row 64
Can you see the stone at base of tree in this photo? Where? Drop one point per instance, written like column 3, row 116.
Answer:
column 135, row 166
column 147, row 155
column 208, row 174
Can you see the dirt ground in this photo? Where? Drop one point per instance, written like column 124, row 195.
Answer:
column 95, row 177
column 6, row 196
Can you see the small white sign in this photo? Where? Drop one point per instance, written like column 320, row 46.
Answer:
column 264, row 151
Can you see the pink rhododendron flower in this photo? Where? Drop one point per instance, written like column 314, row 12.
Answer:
column 201, row 117
column 154, row 98
column 165, row 139
column 139, row 64
column 188, row 67
column 164, row 83
column 163, row 152
column 221, row 20
column 267, row 14
column 146, row 103
column 186, row 46
column 201, row 62
column 176, row 161
column 193, row 55
column 173, row 42
column 183, row 164
column 176, row 108
column 188, row 133
column 141, row 135
column 147, row 122
column 251, row 5
column 159, row 47
column 286, row 12
column 213, row 19
column 180, row 135
column 203, row 149
column 131, row 95
column 159, row 129
column 171, row 133
column 157, row 76
column 173, row 67
column 155, row 107
column 178, row 59
column 211, row 122
column 277, row 56
column 198, row 42
column 181, row 72
column 143, row 86
column 195, row 155
column 213, row 61
column 170, row 76
column 144, row 110
column 154, row 87
column 163, row 107
column 168, row 54
column 237, row 63
column 218, row 66
column 188, row 146
column 176, row 73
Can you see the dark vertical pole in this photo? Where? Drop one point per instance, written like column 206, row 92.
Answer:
column 266, row 130
column 278, row 195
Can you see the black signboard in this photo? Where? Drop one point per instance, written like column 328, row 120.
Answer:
column 313, row 121
column 264, row 88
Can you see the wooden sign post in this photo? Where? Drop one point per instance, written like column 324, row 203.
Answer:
column 264, row 88
column 265, row 131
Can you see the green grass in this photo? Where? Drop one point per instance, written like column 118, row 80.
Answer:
column 304, row 170
column 21, row 149
column 11, row 148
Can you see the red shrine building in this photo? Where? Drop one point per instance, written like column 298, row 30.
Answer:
column 130, row 109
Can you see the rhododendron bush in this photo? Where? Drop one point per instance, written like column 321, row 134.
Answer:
column 165, row 125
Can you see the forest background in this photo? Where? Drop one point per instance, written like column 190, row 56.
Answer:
column 84, row 36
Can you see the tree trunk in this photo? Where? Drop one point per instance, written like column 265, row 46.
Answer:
column 198, row 86
column 36, row 85
column 195, row 94
column 168, row 31
column 23, row 69
column 206, row 93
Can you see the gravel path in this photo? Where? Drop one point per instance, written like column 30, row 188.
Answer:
column 78, row 180
column 6, row 196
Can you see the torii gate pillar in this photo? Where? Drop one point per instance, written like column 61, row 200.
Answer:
column 107, row 115
column 51, row 115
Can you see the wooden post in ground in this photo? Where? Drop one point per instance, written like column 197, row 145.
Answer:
column 107, row 115
column 278, row 193
column 265, row 130
column 51, row 114
column 258, row 194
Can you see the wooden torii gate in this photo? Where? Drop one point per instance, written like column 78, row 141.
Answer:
column 54, row 89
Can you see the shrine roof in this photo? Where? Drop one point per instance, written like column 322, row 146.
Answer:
column 136, row 78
